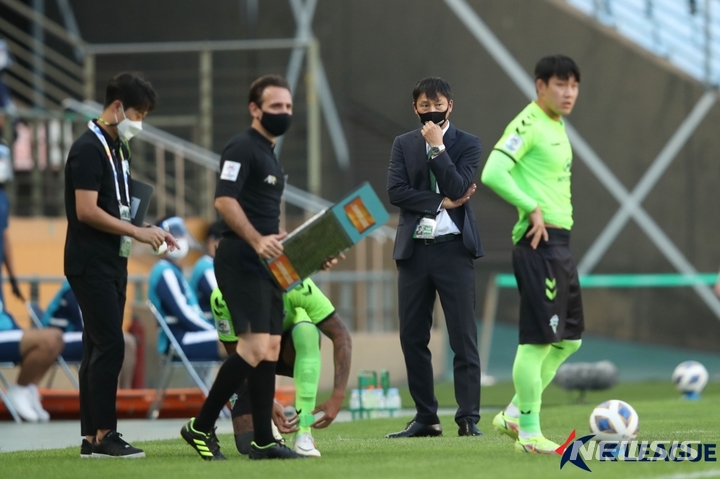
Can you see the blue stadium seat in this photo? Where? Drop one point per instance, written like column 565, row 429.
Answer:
column 36, row 313
column 175, row 355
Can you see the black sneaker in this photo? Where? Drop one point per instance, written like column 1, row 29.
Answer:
column 245, row 439
column 112, row 445
column 205, row 444
column 273, row 451
column 85, row 449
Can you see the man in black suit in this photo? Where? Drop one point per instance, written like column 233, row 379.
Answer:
column 431, row 179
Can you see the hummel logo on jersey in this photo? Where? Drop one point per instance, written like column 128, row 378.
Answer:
column 270, row 180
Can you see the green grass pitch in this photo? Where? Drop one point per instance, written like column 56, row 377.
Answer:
column 358, row 449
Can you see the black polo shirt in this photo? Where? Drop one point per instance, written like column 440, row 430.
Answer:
column 251, row 174
column 89, row 250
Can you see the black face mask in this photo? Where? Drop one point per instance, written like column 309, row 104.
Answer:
column 437, row 117
column 276, row 123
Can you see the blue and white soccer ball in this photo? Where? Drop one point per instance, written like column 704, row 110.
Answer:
column 690, row 377
column 615, row 421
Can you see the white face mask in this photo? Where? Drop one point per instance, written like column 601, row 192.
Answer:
column 179, row 253
column 128, row 128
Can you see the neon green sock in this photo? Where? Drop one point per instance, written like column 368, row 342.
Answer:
column 528, row 384
column 557, row 355
column 306, row 340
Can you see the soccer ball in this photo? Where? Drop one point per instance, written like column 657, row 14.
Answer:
column 614, row 420
column 690, row 377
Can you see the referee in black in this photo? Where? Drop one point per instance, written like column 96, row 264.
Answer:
column 97, row 245
column 248, row 199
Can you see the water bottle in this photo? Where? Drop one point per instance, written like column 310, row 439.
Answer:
column 380, row 399
column 368, row 400
column 354, row 400
column 393, row 402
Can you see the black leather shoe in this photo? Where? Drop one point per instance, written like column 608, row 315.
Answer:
column 468, row 428
column 416, row 429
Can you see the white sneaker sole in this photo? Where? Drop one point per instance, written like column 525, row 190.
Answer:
column 310, row 453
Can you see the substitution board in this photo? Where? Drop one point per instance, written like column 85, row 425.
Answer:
column 327, row 234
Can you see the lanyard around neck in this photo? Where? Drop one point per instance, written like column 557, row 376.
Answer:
column 96, row 129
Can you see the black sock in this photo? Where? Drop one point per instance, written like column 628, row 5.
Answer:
column 231, row 374
column 261, row 389
column 243, row 442
column 242, row 404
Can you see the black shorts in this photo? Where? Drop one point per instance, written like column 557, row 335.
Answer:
column 550, row 299
column 286, row 359
column 10, row 346
column 255, row 303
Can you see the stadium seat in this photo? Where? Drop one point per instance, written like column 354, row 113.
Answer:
column 36, row 313
column 4, row 387
column 170, row 359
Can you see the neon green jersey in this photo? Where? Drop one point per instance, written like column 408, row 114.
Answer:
column 303, row 303
column 530, row 166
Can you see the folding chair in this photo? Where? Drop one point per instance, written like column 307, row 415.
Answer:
column 36, row 313
column 175, row 352
column 3, row 395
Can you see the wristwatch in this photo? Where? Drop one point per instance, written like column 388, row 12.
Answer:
column 435, row 151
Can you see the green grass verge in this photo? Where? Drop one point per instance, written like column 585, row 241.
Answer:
column 358, row 449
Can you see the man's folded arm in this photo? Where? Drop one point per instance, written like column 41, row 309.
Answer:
column 400, row 192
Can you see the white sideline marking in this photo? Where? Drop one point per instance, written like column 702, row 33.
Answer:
column 690, row 475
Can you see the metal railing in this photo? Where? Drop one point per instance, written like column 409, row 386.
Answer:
column 686, row 32
column 44, row 76
column 39, row 152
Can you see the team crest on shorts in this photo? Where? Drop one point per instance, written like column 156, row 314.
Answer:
column 554, row 323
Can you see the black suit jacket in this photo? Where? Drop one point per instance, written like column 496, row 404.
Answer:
column 408, row 185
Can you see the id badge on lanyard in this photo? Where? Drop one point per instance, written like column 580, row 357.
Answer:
column 125, row 241
column 425, row 228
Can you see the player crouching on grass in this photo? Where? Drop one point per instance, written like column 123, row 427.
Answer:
column 307, row 312
column 530, row 169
